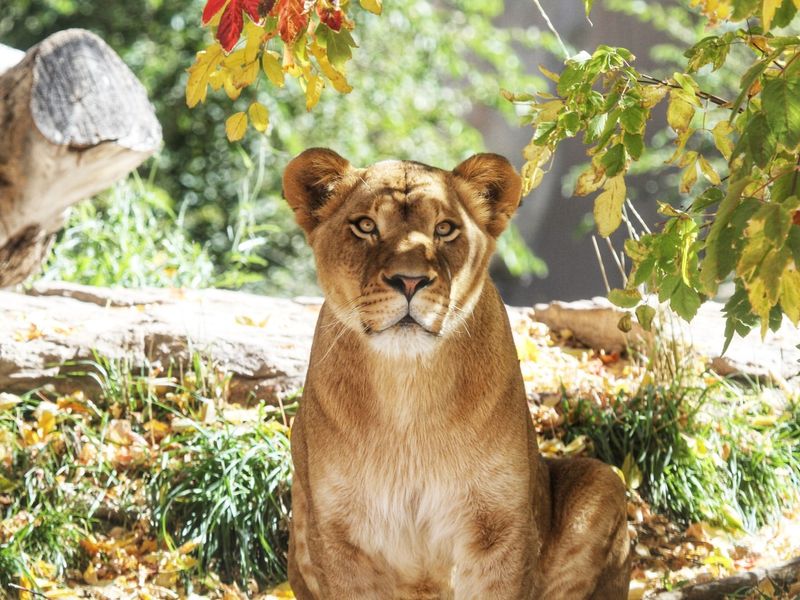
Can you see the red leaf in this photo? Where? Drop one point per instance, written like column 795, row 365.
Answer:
column 796, row 217
column 230, row 26
column 292, row 20
column 212, row 7
column 332, row 17
column 264, row 7
column 251, row 8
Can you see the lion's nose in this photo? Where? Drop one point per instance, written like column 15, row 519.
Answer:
column 407, row 285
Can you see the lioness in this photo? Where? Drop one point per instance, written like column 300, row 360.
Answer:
column 416, row 470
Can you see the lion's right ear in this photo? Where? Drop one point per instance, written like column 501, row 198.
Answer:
column 309, row 181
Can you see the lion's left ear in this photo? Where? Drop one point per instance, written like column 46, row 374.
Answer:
column 310, row 180
column 496, row 188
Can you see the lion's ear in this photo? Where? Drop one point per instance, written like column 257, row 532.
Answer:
column 496, row 188
column 309, row 181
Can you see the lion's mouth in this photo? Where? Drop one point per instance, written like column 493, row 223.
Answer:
column 407, row 321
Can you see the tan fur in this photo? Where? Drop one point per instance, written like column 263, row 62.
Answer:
column 416, row 468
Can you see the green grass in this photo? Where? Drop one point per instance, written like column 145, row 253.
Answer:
column 228, row 490
column 222, row 485
column 722, row 453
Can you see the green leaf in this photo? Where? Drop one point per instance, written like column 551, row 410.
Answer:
column 685, row 301
column 749, row 78
column 613, row 161
column 624, row 298
column 709, row 197
column 625, row 323
column 743, row 9
column 338, row 45
column 608, row 206
column 645, row 315
column 633, row 119
column 634, row 144
column 760, row 140
column 781, row 105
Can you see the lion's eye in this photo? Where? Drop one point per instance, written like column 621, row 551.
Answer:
column 446, row 229
column 364, row 226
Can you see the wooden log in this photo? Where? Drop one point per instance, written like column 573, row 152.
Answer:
column 73, row 119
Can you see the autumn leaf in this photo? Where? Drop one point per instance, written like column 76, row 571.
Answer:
column 313, row 91
column 212, row 8
column 232, row 21
column 373, row 6
column 608, row 206
column 235, row 126
column 259, row 116
column 272, row 67
column 292, row 19
column 768, row 12
column 332, row 17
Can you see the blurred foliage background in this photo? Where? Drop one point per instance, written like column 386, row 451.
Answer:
column 212, row 210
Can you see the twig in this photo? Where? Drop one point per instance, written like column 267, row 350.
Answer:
column 600, row 262
column 650, row 80
column 24, row 589
column 617, row 261
column 637, row 215
column 552, row 28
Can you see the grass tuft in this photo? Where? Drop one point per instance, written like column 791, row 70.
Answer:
column 228, row 490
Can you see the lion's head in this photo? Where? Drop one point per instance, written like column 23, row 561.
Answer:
column 401, row 248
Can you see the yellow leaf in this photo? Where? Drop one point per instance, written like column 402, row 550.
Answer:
column 259, row 116
column 254, row 34
column 722, row 140
column 768, row 12
column 336, row 78
column 230, row 89
column 548, row 111
column 680, row 111
column 548, row 73
column 797, row 4
column 313, row 90
column 708, row 171
column 206, row 62
column 373, row 6
column 245, row 74
column 689, row 177
column 790, row 294
column 608, row 206
column 235, row 126
column 589, row 181
column 272, row 67
column 653, row 94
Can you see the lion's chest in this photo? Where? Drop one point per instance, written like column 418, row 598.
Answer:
column 401, row 512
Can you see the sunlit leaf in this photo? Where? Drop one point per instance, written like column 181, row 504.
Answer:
column 235, row 126
column 608, row 206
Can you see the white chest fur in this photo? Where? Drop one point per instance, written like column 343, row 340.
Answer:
column 401, row 493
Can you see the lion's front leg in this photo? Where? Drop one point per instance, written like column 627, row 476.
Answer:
column 494, row 559
column 323, row 564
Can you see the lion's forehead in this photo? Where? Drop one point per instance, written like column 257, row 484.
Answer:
column 406, row 188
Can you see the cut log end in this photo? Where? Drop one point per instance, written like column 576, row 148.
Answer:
column 75, row 120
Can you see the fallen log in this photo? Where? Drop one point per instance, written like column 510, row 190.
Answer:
column 781, row 578
column 74, row 119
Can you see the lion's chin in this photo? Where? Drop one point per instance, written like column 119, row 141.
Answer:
column 403, row 340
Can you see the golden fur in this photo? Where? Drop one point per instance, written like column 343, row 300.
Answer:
column 417, row 473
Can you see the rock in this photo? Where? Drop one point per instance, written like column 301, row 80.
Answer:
column 594, row 323
column 262, row 342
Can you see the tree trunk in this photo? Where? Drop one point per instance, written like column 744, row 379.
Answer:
column 74, row 119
